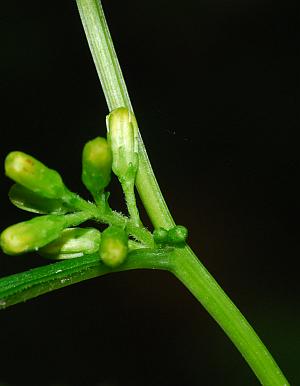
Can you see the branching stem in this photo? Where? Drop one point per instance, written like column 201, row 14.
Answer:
column 88, row 210
column 182, row 262
column 27, row 285
column 187, row 267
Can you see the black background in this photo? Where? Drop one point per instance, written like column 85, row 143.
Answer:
column 215, row 87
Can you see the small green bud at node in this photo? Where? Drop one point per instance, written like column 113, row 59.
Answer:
column 96, row 165
column 73, row 242
column 26, row 199
column 160, row 235
column 114, row 246
column 123, row 139
column 31, row 235
column 34, row 175
column 177, row 235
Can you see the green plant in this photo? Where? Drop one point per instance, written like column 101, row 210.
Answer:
column 179, row 261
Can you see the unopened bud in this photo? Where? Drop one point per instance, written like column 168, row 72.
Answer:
column 114, row 246
column 177, row 235
column 73, row 242
column 26, row 199
column 31, row 235
column 160, row 235
column 34, row 175
column 123, row 139
column 96, row 165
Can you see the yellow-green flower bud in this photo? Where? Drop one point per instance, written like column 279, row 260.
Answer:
column 123, row 139
column 34, row 175
column 96, row 165
column 26, row 199
column 114, row 246
column 73, row 242
column 31, row 235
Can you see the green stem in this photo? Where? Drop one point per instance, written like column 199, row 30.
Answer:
column 188, row 268
column 77, row 218
column 203, row 286
column 115, row 91
column 30, row 284
column 128, row 189
column 87, row 210
column 116, row 218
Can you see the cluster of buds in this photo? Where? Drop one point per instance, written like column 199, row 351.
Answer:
column 41, row 190
column 175, row 236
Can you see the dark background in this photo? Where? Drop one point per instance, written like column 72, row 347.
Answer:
column 215, row 86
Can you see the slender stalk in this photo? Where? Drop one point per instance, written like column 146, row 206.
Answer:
column 77, row 218
column 128, row 189
column 187, row 267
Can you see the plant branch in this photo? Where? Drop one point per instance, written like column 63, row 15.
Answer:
column 30, row 284
column 187, row 268
column 88, row 210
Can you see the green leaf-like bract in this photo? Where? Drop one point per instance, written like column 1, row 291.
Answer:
column 26, row 199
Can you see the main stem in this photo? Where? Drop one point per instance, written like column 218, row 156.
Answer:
column 116, row 95
column 186, row 266
column 203, row 286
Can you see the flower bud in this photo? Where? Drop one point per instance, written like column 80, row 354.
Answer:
column 34, row 175
column 123, row 139
column 114, row 246
column 25, row 199
column 160, row 235
column 31, row 235
column 73, row 242
column 177, row 235
column 96, row 165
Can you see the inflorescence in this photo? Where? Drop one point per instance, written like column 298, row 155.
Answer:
column 54, row 233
